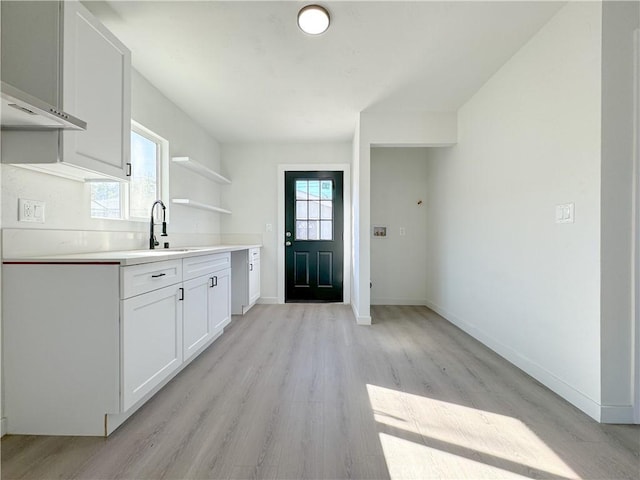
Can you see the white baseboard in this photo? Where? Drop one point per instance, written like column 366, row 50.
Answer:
column 617, row 414
column 268, row 301
column 360, row 319
column 398, row 301
column 3, row 426
column 547, row 378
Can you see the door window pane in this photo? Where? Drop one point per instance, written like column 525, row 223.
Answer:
column 326, row 189
column 301, row 189
column 301, row 230
column 314, row 189
column 314, row 230
column 326, row 230
column 326, row 210
column 301, row 210
column 314, row 210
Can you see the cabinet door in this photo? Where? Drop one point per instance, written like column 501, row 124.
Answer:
column 151, row 341
column 220, row 300
column 196, row 324
column 96, row 69
column 254, row 280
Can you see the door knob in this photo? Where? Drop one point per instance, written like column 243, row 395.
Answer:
column 287, row 244
column 288, row 234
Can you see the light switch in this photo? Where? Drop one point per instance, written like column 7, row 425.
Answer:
column 565, row 213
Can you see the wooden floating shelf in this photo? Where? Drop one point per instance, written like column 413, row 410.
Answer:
column 186, row 202
column 200, row 169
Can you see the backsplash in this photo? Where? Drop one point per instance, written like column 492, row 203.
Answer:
column 18, row 242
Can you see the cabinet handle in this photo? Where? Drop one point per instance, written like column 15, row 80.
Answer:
column 251, row 267
column 128, row 169
column 181, row 293
column 157, row 275
column 215, row 278
column 213, row 282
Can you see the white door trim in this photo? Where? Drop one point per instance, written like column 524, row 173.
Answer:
column 636, row 229
column 307, row 167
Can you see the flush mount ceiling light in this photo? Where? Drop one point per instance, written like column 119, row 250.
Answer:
column 313, row 19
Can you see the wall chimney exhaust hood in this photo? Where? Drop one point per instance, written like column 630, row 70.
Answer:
column 21, row 111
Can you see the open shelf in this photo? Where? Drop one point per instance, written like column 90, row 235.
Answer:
column 186, row 202
column 200, row 169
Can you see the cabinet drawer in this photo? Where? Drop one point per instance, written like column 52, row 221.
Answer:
column 138, row 279
column 193, row 267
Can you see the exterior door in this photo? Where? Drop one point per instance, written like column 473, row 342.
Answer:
column 314, row 244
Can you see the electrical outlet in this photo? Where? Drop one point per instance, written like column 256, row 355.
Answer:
column 269, row 227
column 30, row 210
column 403, row 231
column 565, row 213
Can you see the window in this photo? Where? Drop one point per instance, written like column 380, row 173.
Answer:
column 132, row 201
column 314, row 209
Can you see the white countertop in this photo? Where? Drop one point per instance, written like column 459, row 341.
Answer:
column 131, row 257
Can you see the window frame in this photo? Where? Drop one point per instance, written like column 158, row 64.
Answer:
column 162, row 170
column 162, row 177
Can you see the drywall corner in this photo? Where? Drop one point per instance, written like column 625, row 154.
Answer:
column 619, row 22
column 360, row 319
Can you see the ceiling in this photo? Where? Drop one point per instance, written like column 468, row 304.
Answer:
column 246, row 73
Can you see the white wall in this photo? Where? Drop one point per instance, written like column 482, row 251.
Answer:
column 67, row 201
column 253, row 170
column 620, row 19
column 2, row 419
column 399, row 262
column 186, row 138
column 385, row 129
column 356, row 276
column 500, row 267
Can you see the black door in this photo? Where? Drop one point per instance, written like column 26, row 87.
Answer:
column 313, row 237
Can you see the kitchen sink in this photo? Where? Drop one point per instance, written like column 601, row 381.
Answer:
column 164, row 251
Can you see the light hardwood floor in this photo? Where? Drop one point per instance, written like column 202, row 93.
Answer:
column 300, row 391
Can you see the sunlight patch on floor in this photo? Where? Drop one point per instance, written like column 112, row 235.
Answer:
column 426, row 438
column 409, row 460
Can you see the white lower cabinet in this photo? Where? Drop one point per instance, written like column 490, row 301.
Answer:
column 207, row 309
column 254, row 277
column 151, row 339
column 102, row 338
column 196, row 324
column 220, row 300
column 246, row 280
column 207, row 299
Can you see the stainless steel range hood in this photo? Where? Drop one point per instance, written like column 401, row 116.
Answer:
column 21, row 111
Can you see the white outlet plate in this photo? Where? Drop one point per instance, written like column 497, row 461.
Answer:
column 30, row 210
column 565, row 213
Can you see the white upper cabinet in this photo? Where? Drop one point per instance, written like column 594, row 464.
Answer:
column 74, row 63
column 97, row 85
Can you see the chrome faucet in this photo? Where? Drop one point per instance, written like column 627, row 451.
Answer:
column 153, row 243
